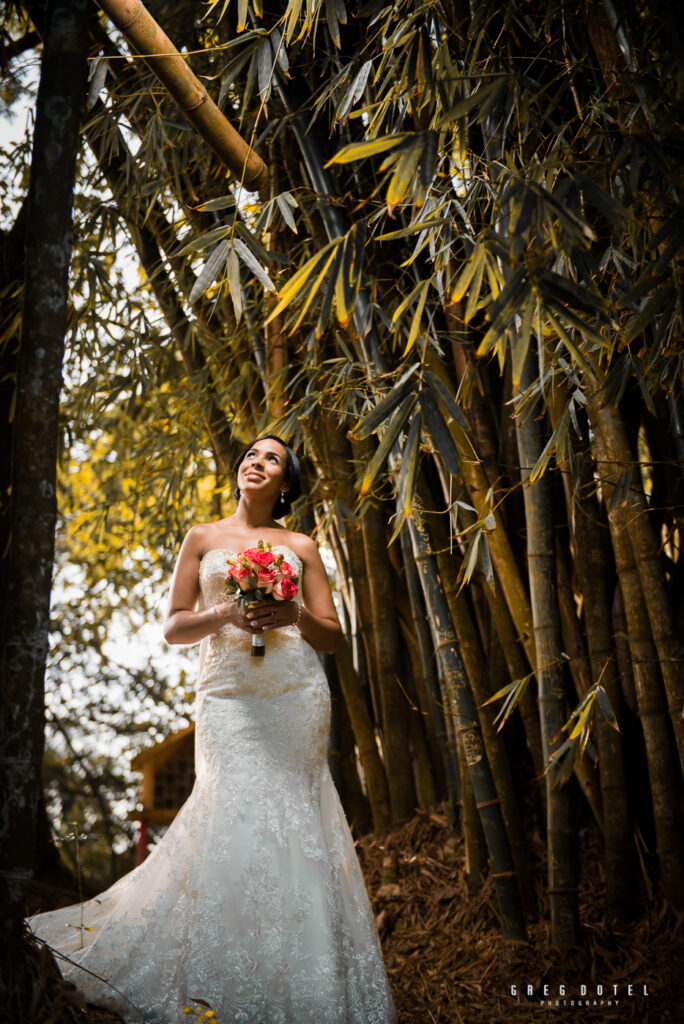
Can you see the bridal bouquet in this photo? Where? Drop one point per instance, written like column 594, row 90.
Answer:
column 256, row 574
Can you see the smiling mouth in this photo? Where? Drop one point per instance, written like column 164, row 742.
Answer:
column 254, row 476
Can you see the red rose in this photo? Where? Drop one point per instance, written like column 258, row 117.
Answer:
column 286, row 570
column 285, row 590
column 260, row 557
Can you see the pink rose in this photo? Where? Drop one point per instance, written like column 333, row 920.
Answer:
column 263, row 558
column 241, row 576
column 284, row 590
column 265, row 578
column 286, row 570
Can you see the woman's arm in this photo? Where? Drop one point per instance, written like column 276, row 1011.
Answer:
column 183, row 624
column 318, row 622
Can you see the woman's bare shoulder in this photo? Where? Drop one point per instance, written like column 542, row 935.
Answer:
column 302, row 545
column 202, row 536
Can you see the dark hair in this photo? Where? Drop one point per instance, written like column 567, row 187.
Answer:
column 292, row 475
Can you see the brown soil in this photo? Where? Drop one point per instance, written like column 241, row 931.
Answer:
column 448, row 964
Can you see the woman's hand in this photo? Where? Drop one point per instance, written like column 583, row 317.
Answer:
column 268, row 614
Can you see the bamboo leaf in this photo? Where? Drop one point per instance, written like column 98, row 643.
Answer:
column 203, row 241
column 469, row 103
column 292, row 14
column 222, row 203
column 410, row 455
column 466, row 275
column 417, row 316
column 209, row 271
column 513, row 692
column 356, row 90
column 405, row 303
column 522, row 339
column 448, row 401
column 401, row 182
column 606, row 708
column 572, row 348
column 361, row 150
column 250, row 261
column 299, row 279
column 326, row 305
column 286, row 212
column 312, row 291
column 485, row 561
column 611, row 209
column 413, row 229
column 279, row 50
column 379, row 413
column 332, row 22
column 470, row 561
column 558, row 438
column 474, row 291
column 428, row 157
column 439, row 431
column 234, row 285
column 265, row 70
column 389, row 437
column 344, row 297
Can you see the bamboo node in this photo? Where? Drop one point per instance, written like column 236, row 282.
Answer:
column 487, row 803
column 123, row 25
column 200, row 101
column 449, row 640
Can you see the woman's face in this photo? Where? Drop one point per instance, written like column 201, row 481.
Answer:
column 262, row 471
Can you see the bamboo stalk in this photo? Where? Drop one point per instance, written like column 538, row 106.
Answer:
column 427, row 682
column 551, row 676
column 395, row 708
column 373, row 770
column 163, row 59
column 663, row 772
column 503, row 558
column 593, row 567
column 632, row 514
column 473, row 833
column 478, row 679
column 467, row 727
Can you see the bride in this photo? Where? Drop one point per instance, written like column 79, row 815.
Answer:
column 253, row 901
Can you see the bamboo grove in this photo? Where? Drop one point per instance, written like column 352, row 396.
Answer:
column 457, row 293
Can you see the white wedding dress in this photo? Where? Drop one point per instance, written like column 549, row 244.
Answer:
column 253, row 900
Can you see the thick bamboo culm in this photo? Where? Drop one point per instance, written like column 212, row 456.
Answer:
column 163, row 59
column 466, row 721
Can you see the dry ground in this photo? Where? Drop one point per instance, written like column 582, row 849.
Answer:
column 448, row 964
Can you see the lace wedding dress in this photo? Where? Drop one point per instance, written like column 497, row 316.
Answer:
column 253, row 901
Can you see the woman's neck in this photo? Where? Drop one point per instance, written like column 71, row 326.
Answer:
column 252, row 516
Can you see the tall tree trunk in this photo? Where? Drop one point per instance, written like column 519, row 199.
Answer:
column 34, row 456
column 551, row 677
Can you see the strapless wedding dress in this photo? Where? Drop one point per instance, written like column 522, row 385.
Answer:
column 253, row 900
